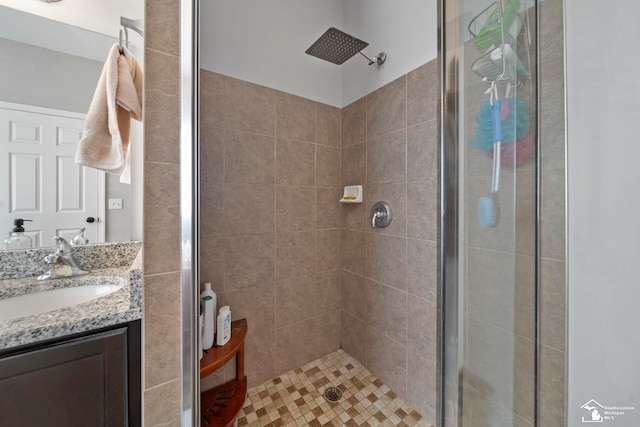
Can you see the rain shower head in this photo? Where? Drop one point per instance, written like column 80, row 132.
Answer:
column 337, row 46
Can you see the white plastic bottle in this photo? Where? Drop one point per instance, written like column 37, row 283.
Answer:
column 208, row 302
column 224, row 326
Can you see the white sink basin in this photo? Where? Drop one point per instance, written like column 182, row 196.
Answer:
column 54, row 299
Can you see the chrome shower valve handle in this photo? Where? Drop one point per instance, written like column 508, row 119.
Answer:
column 381, row 215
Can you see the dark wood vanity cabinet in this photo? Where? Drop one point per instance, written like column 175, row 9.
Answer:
column 88, row 380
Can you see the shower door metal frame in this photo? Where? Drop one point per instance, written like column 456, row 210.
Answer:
column 450, row 391
column 189, row 210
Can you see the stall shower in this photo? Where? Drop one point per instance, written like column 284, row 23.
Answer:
column 282, row 133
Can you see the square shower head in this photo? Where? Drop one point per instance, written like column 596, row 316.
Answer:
column 336, row 46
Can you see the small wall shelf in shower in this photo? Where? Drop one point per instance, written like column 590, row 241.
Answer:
column 352, row 194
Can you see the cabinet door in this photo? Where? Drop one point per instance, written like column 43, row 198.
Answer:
column 80, row 383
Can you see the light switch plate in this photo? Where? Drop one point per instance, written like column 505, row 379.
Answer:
column 115, row 203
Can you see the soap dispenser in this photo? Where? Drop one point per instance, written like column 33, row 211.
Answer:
column 17, row 238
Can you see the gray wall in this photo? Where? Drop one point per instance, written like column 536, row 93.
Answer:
column 603, row 208
column 35, row 76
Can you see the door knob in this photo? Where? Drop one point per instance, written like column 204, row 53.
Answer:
column 90, row 219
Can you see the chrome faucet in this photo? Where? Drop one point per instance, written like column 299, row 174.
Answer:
column 61, row 262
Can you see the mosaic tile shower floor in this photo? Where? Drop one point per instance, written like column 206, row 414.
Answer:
column 296, row 398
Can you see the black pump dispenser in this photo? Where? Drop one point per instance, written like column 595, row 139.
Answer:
column 19, row 222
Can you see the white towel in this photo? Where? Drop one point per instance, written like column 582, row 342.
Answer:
column 117, row 99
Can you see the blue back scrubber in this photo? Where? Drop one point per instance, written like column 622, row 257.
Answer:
column 515, row 126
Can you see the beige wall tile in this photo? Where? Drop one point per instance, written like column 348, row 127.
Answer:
column 553, row 192
column 353, row 165
column 353, row 251
column 501, row 290
column 354, row 295
column 328, row 291
column 249, row 260
column 162, row 405
column 250, row 107
column 422, row 327
column 295, row 254
column 212, row 263
column 421, row 390
column 422, row 210
column 162, row 184
column 327, row 166
column 295, row 117
column 256, row 304
column 387, row 108
column 299, row 336
column 248, row 209
column 354, row 122
column 162, row 329
column 295, row 300
column 353, row 336
column 212, row 100
column 552, row 387
column 387, row 311
column 161, row 243
column 423, row 151
column 328, row 207
column 162, row 26
column 212, row 154
column 295, row 163
column 387, row 260
column 260, row 363
column 327, row 331
column 249, row 158
column 387, row 158
column 295, row 208
column 423, row 93
column 328, row 124
column 553, row 236
column 161, row 107
column 212, row 204
column 327, row 249
column 387, row 360
column 422, row 269
column 552, row 306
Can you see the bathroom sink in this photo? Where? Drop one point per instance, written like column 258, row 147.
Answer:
column 54, row 299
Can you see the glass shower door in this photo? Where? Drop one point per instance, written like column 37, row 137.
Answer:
column 490, row 227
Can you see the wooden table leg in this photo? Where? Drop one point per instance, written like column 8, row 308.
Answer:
column 240, row 363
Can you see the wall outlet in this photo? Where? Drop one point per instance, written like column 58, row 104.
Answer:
column 115, row 203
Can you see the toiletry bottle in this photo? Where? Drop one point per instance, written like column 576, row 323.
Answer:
column 224, row 326
column 208, row 308
column 17, row 238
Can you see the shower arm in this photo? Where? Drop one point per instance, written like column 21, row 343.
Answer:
column 378, row 59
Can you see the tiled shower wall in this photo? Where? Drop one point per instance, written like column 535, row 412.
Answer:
column 270, row 220
column 161, row 311
column 552, row 265
column 389, row 276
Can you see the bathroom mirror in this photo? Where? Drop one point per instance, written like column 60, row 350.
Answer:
column 51, row 58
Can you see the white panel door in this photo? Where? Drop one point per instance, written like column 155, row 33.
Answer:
column 40, row 180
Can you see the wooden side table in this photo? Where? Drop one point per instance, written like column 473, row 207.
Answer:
column 219, row 407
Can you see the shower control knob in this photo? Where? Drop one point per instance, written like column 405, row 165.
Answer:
column 381, row 215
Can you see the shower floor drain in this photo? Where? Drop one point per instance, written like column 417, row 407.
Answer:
column 332, row 394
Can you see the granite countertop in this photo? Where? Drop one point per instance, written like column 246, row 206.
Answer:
column 122, row 306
